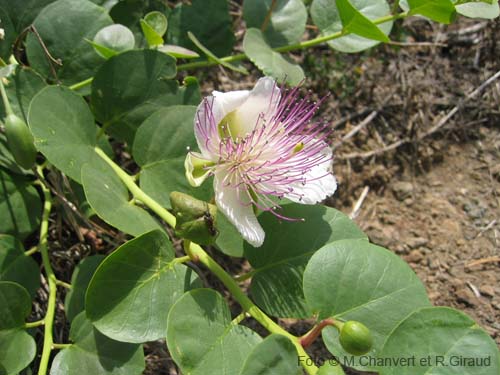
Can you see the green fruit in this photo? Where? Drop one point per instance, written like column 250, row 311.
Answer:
column 355, row 338
column 20, row 141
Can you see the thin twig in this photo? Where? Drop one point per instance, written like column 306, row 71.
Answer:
column 455, row 109
column 359, row 203
column 356, row 129
column 417, row 44
column 432, row 130
column 474, row 289
column 50, row 59
column 379, row 151
column 483, row 261
column 487, row 228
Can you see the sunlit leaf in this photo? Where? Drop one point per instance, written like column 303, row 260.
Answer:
column 270, row 62
column 133, row 289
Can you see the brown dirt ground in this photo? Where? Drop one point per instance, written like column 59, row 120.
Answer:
column 434, row 200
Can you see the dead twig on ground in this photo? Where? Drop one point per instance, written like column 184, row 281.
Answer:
column 359, row 203
column 478, row 262
column 432, row 130
column 356, row 129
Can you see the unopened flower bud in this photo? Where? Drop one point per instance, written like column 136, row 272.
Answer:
column 196, row 219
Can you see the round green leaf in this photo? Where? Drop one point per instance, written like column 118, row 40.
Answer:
column 130, row 13
column 280, row 262
column 113, row 39
column 157, row 21
column 355, row 280
column 20, row 206
column 17, row 351
column 15, row 305
column 130, row 86
column 479, row 9
column 93, row 353
column 64, row 129
column 440, row 340
column 9, row 32
column 286, row 24
column 17, row 347
column 154, row 25
column 215, row 32
column 326, row 16
column 129, row 297
column 269, row 61
column 77, row 20
column 23, row 12
column 166, row 134
column 74, row 303
column 200, row 334
column 438, row 10
column 274, row 355
column 16, row 266
column 159, row 179
column 110, row 199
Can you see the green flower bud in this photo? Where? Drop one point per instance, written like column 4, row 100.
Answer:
column 196, row 219
column 20, row 141
column 355, row 338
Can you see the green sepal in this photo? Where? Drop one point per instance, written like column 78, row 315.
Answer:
column 196, row 219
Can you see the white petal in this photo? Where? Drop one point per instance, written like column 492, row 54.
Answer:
column 320, row 182
column 196, row 168
column 264, row 98
column 208, row 116
column 235, row 205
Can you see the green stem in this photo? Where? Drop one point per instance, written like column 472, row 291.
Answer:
column 51, row 280
column 292, row 47
column 31, row 251
column 136, row 191
column 183, row 259
column 242, row 56
column 6, row 103
column 79, row 85
column 38, row 323
column 249, row 306
column 239, row 318
column 63, row 284
column 195, row 252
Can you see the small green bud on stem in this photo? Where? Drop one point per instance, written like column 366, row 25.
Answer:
column 196, row 219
